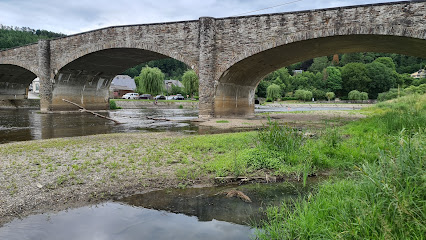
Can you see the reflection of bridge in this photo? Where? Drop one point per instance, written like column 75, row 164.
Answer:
column 230, row 55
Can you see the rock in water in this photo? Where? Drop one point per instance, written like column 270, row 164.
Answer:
column 238, row 194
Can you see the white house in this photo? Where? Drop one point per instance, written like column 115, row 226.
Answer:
column 35, row 86
column 419, row 74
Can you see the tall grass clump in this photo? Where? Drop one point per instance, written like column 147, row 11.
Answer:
column 408, row 113
column 280, row 138
column 384, row 200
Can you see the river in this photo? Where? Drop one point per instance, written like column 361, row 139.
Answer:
column 24, row 125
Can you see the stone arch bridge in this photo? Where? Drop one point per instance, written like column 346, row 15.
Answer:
column 230, row 55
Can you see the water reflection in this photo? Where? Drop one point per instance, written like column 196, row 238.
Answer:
column 22, row 125
column 195, row 213
column 210, row 203
column 118, row 221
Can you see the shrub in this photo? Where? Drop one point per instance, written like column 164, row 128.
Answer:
column 113, row 105
column 303, row 95
column 330, row 95
column 354, row 95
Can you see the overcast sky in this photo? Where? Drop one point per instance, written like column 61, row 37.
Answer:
column 74, row 16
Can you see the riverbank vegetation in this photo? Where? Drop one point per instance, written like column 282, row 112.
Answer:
column 382, row 196
column 371, row 73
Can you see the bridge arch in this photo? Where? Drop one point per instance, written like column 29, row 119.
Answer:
column 83, row 65
column 237, row 79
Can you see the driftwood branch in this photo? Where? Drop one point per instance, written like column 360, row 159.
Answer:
column 82, row 109
column 158, row 119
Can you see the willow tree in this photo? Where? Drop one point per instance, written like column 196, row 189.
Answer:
column 273, row 92
column 190, row 81
column 151, row 80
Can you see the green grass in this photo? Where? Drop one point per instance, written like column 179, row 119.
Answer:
column 384, row 197
column 222, row 121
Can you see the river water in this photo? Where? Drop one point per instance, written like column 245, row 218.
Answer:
column 24, row 125
column 194, row 213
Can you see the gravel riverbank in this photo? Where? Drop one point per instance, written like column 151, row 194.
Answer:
column 55, row 174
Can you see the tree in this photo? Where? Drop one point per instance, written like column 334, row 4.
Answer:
column 172, row 68
column 131, row 72
column 261, row 88
column 352, row 58
column 405, row 79
column 354, row 76
column 363, row 96
column 333, row 79
column 303, row 95
column 176, row 90
column 335, row 61
column 330, row 95
column 382, row 78
column 190, row 81
column 151, row 80
column 319, row 64
column 318, row 94
column 273, row 92
column 387, row 61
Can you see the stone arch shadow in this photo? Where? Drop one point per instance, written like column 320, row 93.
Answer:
column 14, row 80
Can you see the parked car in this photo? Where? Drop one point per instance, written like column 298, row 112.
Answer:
column 130, row 96
column 160, row 97
column 145, row 96
column 179, row 97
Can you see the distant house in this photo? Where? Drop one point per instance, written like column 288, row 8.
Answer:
column 35, row 86
column 121, row 85
column 169, row 83
column 295, row 72
column 419, row 74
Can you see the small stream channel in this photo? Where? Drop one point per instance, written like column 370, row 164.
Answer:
column 192, row 213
